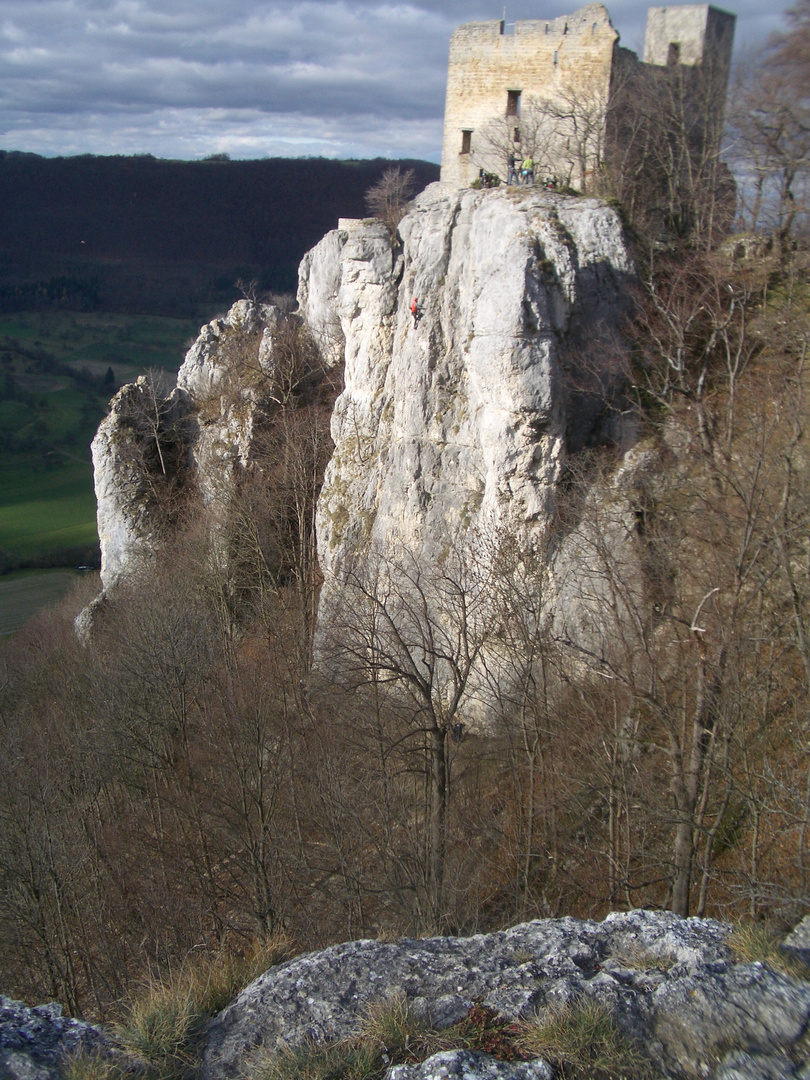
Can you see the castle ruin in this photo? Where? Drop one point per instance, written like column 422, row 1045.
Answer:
column 551, row 88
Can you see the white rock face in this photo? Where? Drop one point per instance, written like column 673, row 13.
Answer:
column 123, row 478
column 459, row 423
column 219, row 375
column 453, row 426
column 207, row 419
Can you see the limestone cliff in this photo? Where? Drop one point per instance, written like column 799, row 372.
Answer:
column 161, row 447
column 455, row 423
column 458, row 422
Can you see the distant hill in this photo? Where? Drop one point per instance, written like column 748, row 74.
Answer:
column 143, row 234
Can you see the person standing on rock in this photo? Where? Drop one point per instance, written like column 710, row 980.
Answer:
column 528, row 169
column 511, row 170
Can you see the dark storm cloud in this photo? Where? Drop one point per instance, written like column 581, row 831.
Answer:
column 189, row 77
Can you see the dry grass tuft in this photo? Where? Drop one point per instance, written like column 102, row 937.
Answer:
column 583, row 1039
column 389, row 1034
column 762, row 943
column 390, row 1026
column 89, row 1065
column 161, row 1026
column 348, row 1060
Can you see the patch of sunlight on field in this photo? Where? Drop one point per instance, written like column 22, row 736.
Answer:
column 49, row 512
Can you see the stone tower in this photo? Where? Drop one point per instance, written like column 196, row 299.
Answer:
column 547, row 87
column 689, row 34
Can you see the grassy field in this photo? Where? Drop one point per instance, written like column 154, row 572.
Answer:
column 58, row 371
column 25, row 592
column 128, row 343
column 44, row 512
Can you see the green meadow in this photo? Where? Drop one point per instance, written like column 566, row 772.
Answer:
column 96, row 340
column 44, row 512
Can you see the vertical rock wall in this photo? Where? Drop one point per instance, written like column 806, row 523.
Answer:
column 459, row 424
column 451, row 427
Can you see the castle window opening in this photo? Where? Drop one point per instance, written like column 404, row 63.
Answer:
column 555, row 56
column 513, row 102
column 674, row 54
column 466, row 141
column 516, row 135
column 593, row 28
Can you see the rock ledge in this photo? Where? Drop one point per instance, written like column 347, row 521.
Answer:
column 671, row 984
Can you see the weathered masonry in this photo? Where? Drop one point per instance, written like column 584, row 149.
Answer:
column 547, row 88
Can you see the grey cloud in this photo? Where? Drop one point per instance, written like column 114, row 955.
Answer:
column 191, row 133
column 180, row 77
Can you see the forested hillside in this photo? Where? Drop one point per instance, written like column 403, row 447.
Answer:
column 189, row 778
column 145, row 235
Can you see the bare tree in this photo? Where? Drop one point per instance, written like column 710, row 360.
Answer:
column 664, row 152
column 153, row 418
column 417, row 634
column 578, row 118
column 389, row 197
column 771, row 123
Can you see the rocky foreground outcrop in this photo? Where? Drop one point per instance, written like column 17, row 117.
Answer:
column 672, row 986
column 36, row 1044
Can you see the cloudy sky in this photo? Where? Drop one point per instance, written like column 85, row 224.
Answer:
column 188, row 78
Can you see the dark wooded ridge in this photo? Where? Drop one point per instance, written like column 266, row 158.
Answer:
column 142, row 234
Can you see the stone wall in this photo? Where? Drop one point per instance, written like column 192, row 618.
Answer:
column 513, row 90
column 553, row 59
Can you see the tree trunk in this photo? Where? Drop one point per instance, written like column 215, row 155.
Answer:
column 437, row 833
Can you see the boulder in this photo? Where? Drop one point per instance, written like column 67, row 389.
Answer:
column 35, row 1043
column 671, row 984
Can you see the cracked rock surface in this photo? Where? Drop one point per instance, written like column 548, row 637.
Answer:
column 671, row 984
column 459, row 421
column 452, row 429
column 34, row 1042
column 468, row 1065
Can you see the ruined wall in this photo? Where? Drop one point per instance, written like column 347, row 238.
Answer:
column 688, row 34
column 540, row 59
column 570, row 64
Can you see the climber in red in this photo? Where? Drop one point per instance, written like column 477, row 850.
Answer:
column 417, row 314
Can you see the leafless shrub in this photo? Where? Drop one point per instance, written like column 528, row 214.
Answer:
column 389, row 197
